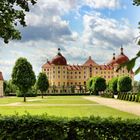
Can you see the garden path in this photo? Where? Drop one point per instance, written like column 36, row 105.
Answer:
column 130, row 107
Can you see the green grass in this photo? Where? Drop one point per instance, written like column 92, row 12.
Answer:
column 64, row 106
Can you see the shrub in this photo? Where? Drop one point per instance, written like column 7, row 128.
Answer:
column 130, row 97
column 124, row 84
column 96, row 84
column 127, row 97
column 137, row 98
column 50, row 128
column 113, row 85
column 107, row 95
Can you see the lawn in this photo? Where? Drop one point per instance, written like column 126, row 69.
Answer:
column 65, row 106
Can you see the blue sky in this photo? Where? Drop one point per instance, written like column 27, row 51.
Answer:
column 81, row 28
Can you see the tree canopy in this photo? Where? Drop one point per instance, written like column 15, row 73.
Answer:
column 96, row 84
column 42, row 83
column 113, row 85
column 23, row 75
column 12, row 13
column 124, row 84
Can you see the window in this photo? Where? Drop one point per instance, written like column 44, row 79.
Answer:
column 44, row 69
column 79, row 72
column 58, row 67
column 58, row 76
column 75, row 77
column 75, row 72
column 58, row 83
column 79, row 76
column 58, row 71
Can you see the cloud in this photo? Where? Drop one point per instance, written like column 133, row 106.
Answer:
column 100, row 4
column 106, row 32
column 45, row 21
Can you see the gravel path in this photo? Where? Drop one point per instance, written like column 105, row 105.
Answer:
column 130, row 107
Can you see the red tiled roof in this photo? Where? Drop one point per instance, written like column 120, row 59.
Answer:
column 59, row 60
column 47, row 64
column 74, row 67
column 106, row 67
column 90, row 62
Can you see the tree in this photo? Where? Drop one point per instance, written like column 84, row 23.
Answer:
column 42, row 83
column 96, row 84
column 12, row 13
column 124, row 84
column 113, row 85
column 89, row 84
column 23, row 76
column 99, row 85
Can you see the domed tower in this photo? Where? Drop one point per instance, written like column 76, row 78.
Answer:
column 59, row 70
column 113, row 61
column 59, row 59
column 122, row 58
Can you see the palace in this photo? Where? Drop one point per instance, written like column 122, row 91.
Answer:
column 61, row 74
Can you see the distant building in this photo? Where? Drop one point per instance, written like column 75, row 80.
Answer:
column 62, row 75
column 1, row 85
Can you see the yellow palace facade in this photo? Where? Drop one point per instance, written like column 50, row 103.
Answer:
column 61, row 75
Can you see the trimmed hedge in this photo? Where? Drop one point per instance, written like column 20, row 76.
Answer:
column 49, row 128
column 134, row 97
column 107, row 95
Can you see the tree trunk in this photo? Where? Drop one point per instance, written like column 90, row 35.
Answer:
column 24, row 98
column 42, row 95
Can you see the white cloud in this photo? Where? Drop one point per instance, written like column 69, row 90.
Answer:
column 106, row 32
column 97, row 4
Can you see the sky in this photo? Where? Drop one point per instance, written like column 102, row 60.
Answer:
column 81, row 28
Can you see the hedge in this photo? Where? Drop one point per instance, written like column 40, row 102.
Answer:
column 49, row 128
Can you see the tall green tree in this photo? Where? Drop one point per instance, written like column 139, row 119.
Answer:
column 42, row 83
column 113, row 85
column 124, row 84
column 23, row 76
column 12, row 14
column 96, row 84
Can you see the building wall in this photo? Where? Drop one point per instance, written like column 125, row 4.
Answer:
column 61, row 76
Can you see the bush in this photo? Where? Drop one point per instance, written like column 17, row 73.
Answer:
column 127, row 97
column 96, row 84
column 124, row 84
column 137, row 98
column 50, row 128
column 113, row 85
column 107, row 95
column 130, row 97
